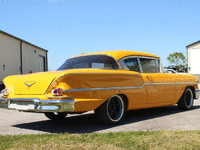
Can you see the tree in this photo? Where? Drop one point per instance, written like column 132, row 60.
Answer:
column 178, row 59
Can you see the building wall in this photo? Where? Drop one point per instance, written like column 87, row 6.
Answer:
column 193, row 47
column 13, row 51
column 30, row 58
column 9, row 56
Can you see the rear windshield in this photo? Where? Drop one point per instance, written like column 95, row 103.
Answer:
column 93, row 61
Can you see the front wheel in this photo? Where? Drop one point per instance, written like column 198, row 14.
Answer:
column 112, row 111
column 56, row 116
column 187, row 99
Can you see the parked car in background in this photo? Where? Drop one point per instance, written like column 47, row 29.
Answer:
column 109, row 83
column 169, row 71
column 172, row 71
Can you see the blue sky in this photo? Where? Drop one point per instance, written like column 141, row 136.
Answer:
column 70, row 27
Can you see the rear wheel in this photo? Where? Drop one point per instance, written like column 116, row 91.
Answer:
column 56, row 116
column 187, row 99
column 112, row 111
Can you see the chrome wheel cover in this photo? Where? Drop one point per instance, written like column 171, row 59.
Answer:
column 115, row 108
column 188, row 98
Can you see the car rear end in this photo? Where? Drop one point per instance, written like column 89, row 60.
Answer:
column 28, row 93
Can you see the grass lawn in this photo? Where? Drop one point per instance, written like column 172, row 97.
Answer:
column 162, row 139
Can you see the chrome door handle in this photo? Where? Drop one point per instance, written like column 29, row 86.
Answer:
column 148, row 77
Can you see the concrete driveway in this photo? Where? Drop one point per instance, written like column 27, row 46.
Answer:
column 171, row 118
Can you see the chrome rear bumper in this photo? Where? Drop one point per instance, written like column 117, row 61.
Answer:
column 197, row 94
column 37, row 105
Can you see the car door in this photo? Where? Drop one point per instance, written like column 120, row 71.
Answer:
column 160, row 85
column 137, row 96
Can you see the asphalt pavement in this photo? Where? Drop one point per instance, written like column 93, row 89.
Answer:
column 13, row 122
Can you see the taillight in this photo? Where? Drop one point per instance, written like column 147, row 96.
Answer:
column 4, row 92
column 57, row 92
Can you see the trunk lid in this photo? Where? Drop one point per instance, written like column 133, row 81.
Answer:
column 36, row 83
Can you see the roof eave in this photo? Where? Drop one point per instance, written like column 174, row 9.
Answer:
column 22, row 40
column 193, row 43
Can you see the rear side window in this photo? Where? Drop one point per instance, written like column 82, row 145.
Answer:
column 150, row 65
column 132, row 64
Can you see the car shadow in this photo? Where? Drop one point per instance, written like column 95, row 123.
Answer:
column 87, row 123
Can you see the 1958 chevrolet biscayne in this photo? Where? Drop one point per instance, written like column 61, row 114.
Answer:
column 109, row 83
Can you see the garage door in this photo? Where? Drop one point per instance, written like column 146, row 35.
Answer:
column 41, row 63
column 195, row 61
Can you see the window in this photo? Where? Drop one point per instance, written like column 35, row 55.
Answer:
column 132, row 64
column 93, row 61
column 150, row 65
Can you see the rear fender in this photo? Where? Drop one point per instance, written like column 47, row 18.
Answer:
column 93, row 89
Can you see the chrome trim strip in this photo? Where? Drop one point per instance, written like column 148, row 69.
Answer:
column 121, row 88
column 149, row 57
column 132, row 56
column 60, row 97
column 138, row 59
column 185, row 83
column 83, row 73
column 176, row 83
column 109, row 88
column 159, row 83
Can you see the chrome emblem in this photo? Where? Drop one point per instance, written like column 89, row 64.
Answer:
column 29, row 83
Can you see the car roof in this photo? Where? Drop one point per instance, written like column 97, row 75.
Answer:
column 118, row 54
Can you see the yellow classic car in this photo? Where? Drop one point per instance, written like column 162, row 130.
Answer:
column 109, row 83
